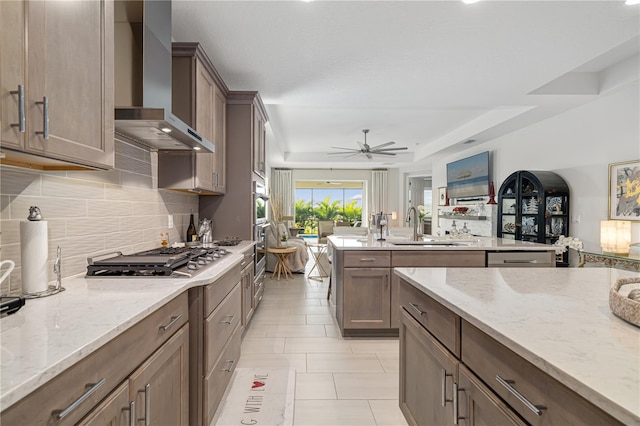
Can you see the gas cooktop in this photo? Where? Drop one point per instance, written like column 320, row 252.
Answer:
column 160, row 262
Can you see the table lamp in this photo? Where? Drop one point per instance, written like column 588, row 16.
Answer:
column 615, row 236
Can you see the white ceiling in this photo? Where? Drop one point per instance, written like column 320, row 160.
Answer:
column 426, row 74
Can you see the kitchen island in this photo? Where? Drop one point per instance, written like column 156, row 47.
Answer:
column 50, row 336
column 549, row 326
column 366, row 291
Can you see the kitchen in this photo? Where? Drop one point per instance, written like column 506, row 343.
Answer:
column 121, row 209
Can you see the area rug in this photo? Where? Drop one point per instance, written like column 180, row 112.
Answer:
column 258, row 396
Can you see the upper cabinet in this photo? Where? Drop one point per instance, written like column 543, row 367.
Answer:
column 534, row 206
column 56, row 77
column 199, row 98
column 259, row 143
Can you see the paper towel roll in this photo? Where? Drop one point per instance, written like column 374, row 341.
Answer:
column 34, row 251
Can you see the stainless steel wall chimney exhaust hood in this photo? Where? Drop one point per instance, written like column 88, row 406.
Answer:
column 143, row 79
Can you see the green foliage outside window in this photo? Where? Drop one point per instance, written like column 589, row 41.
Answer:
column 307, row 216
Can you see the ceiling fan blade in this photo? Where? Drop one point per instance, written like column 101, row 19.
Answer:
column 383, row 145
column 391, row 149
column 352, row 155
column 381, row 153
column 346, row 149
column 369, row 156
column 363, row 146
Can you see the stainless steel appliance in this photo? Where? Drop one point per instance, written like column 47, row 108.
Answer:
column 143, row 76
column 161, row 262
column 260, row 237
column 260, row 202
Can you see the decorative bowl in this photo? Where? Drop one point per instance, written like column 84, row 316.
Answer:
column 622, row 306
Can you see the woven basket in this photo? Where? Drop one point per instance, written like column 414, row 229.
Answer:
column 622, row 306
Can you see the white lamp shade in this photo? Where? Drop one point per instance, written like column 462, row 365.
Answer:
column 615, row 236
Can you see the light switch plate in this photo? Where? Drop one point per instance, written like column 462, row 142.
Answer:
column 170, row 221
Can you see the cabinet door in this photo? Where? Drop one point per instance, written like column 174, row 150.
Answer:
column 247, row 296
column 258, row 143
column 115, row 410
column 12, row 71
column 478, row 406
column 159, row 387
column 220, row 140
column 367, row 298
column 427, row 375
column 70, row 66
column 205, row 110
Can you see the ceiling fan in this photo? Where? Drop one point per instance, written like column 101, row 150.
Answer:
column 368, row 151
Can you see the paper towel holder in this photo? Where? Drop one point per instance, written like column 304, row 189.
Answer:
column 52, row 289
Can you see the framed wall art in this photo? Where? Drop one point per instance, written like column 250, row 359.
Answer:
column 624, row 191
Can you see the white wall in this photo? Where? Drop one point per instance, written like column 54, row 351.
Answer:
column 578, row 145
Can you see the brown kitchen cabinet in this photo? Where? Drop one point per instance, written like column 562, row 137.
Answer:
column 367, row 296
column 428, row 373
column 477, row 405
column 199, row 99
column 57, row 82
column 234, row 214
column 447, row 362
column 91, row 390
column 115, row 410
column 215, row 316
column 159, row 386
column 259, row 144
column 246, row 282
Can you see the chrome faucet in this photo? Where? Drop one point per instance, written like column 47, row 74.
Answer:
column 414, row 221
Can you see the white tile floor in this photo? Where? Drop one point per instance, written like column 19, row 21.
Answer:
column 338, row 381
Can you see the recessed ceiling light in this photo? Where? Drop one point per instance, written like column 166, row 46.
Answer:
column 166, row 130
column 470, row 1
column 632, row 2
column 468, row 141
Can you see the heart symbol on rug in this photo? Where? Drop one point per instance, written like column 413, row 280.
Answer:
column 257, row 385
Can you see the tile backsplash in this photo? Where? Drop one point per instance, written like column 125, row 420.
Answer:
column 91, row 212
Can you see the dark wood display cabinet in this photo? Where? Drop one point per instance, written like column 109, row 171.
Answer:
column 534, row 206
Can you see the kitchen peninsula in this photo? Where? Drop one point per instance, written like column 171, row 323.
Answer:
column 103, row 332
column 366, row 291
column 546, row 336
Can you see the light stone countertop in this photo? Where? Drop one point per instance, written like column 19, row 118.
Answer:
column 556, row 318
column 49, row 335
column 369, row 242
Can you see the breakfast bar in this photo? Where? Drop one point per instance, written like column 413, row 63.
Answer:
column 549, row 334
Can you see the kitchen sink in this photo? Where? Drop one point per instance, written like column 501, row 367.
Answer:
column 429, row 243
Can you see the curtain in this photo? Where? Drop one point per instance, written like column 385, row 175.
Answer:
column 282, row 191
column 379, row 191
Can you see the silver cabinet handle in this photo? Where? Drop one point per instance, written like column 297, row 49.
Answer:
column 518, row 261
column 132, row 413
column 64, row 413
column 147, row 404
column 45, row 117
column 231, row 362
column 173, row 321
column 367, row 259
column 417, row 309
column 537, row 409
column 230, row 320
column 22, row 121
column 455, row 403
column 444, row 387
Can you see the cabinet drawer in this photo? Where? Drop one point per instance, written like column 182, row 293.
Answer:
column 218, row 379
column 214, row 293
column 443, row 324
column 492, row 362
column 257, row 297
column 113, row 362
column 220, row 325
column 437, row 258
column 367, row 259
column 543, row 259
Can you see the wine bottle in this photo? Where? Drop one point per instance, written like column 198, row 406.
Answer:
column 192, row 234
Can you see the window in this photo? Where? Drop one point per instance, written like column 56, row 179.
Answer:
column 319, row 200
